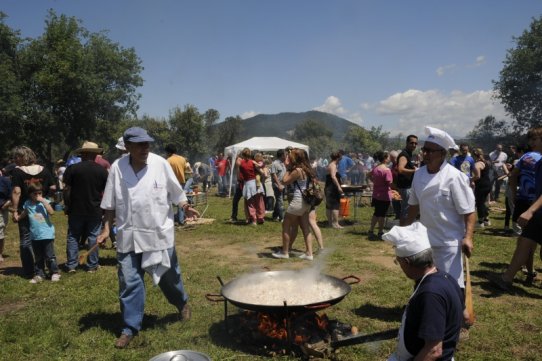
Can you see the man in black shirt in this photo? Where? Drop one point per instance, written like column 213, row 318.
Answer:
column 84, row 186
column 405, row 171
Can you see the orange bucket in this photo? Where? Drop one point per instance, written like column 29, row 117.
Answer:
column 344, row 208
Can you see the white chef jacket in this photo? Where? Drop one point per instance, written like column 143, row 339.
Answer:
column 143, row 204
column 444, row 198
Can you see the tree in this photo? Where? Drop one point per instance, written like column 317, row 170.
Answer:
column 489, row 132
column 359, row 139
column 74, row 82
column 309, row 128
column 187, row 127
column 210, row 117
column 520, row 83
column 11, row 99
column 229, row 131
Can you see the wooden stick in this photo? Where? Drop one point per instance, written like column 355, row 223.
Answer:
column 84, row 255
column 468, row 293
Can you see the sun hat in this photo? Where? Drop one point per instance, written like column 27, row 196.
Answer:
column 89, row 147
column 409, row 240
column 440, row 137
column 136, row 135
column 120, row 144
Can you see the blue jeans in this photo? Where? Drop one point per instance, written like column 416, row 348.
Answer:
column 132, row 288
column 235, row 201
column 25, row 247
column 278, row 210
column 44, row 251
column 223, row 185
column 82, row 226
column 405, row 194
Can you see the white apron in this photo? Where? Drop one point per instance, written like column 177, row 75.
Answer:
column 401, row 353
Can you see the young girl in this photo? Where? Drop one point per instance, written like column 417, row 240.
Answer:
column 42, row 232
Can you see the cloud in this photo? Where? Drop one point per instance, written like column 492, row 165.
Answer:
column 480, row 60
column 444, row 69
column 249, row 114
column 456, row 112
column 333, row 105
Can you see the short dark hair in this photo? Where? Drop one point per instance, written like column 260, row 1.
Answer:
column 280, row 153
column 34, row 187
column 171, row 148
column 410, row 137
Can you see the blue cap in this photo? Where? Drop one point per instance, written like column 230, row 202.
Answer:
column 136, row 135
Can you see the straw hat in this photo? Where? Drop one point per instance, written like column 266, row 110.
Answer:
column 89, row 147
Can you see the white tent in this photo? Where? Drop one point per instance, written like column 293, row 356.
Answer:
column 261, row 144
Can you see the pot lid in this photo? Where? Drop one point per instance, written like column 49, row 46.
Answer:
column 181, row 355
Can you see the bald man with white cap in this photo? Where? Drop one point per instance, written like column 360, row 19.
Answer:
column 432, row 318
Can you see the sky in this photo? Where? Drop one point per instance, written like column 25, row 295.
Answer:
column 397, row 64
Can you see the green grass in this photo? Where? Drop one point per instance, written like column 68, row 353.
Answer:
column 78, row 318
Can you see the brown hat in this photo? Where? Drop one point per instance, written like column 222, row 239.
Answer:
column 89, row 147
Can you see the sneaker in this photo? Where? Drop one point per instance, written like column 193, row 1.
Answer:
column 72, row 271
column 480, row 226
column 123, row 341
column 380, row 234
column 498, row 281
column 280, row 255
column 186, row 312
column 55, row 277
column 36, row 279
column 306, row 257
column 487, row 223
column 371, row 236
column 92, row 270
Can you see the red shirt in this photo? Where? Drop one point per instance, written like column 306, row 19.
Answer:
column 221, row 166
column 246, row 170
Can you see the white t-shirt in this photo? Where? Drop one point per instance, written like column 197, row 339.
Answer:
column 499, row 159
column 143, row 204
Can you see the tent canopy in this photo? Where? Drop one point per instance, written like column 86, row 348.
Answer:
column 262, row 144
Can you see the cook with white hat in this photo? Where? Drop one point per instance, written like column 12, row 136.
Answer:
column 432, row 318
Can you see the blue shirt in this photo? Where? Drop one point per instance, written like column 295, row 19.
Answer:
column 465, row 163
column 41, row 227
column 526, row 180
column 435, row 313
column 344, row 164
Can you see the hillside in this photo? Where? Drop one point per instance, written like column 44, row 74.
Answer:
column 281, row 125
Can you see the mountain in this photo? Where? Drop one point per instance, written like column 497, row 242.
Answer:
column 282, row 125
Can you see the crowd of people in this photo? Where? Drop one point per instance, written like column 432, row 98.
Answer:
column 438, row 194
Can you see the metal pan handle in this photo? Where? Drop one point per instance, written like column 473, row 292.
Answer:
column 220, row 280
column 355, row 279
column 216, row 298
column 320, row 306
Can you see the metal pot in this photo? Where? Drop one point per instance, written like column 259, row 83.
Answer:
column 234, row 290
column 181, row 355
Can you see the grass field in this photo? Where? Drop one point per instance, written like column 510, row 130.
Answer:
column 78, row 318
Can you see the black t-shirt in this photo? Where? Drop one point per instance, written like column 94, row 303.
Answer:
column 405, row 181
column 435, row 313
column 87, row 181
column 21, row 179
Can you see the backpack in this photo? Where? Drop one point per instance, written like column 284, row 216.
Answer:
column 313, row 194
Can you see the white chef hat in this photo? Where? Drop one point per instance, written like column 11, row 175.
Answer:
column 120, row 144
column 440, row 137
column 409, row 240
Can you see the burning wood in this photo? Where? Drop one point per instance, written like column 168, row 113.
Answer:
column 308, row 334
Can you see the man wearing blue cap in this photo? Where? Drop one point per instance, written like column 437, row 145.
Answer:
column 139, row 193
